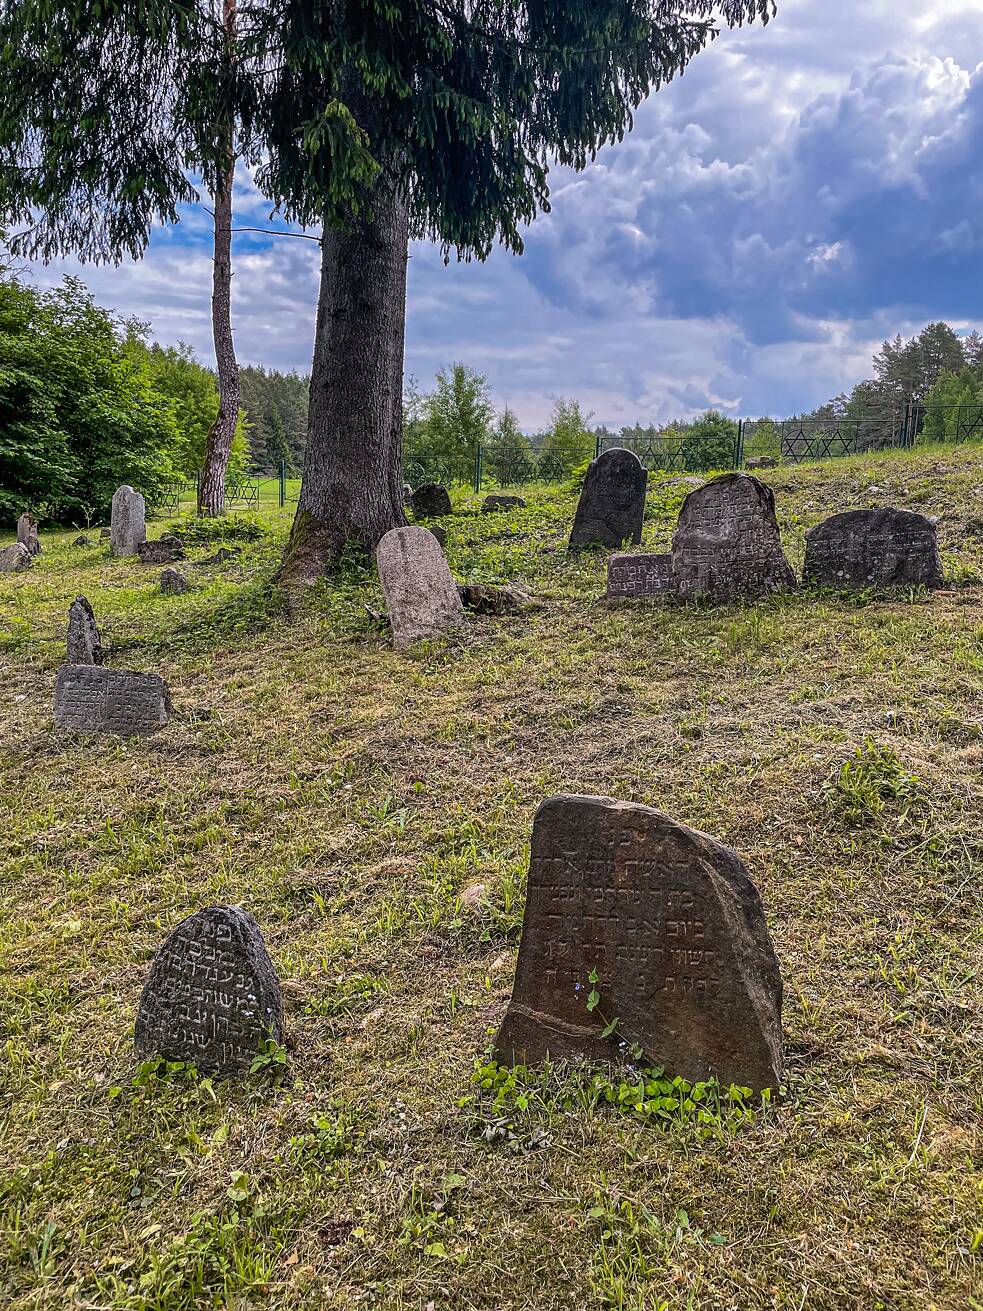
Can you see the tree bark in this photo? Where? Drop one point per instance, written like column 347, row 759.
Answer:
column 218, row 443
column 353, row 468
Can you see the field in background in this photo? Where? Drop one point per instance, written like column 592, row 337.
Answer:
column 348, row 796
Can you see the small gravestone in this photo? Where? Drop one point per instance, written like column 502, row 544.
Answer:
column 727, row 544
column 438, row 532
column 485, row 599
column 672, row 929
column 873, row 548
column 212, row 996
column 640, row 575
column 223, row 554
column 94, row 699
column 84, row 644
column 612, row 503
column 421, row 595
column 761, row 462
column 497, row 502
column 164, row 550
column 174, row 583
column 105, row 534
column 430, row 501
column 128, row 521
column 81, row 540
column 14, row 558
column 27, row 533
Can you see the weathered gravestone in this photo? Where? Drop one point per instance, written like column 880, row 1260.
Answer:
column 873, row 548
column 128, row 521
column 14, row 558
column 612, row 502
column 174, row 583
column 430, row 501
column 673, row 930
column 27, row 533
column 163, row 550
column 495, row 502
column 727, row 543
column 212, row 996
column 640, row 575
column 81, row 540
column 94, row 699
column 84, row 644
column 421, row 596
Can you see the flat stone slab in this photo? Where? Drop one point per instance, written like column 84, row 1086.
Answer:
column 421, row 596
column 83, row 643
column 873, row 548
column 162, row 550
column 612, row 503
column 94, row 699
column 212, row 996
column 15, row 558
column 640, row 575
column 727, row 544
column 430, row 501
column 128, row 521
column 674, row 929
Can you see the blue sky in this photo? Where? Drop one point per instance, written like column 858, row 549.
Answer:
column 804, row 191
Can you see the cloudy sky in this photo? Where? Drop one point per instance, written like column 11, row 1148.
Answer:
column 804, row 191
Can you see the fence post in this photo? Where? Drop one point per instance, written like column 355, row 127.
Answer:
column 283, row 483
column 597, row 444
column 739, row 452
column 477, row 469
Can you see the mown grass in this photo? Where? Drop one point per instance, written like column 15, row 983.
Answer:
column 348, row 796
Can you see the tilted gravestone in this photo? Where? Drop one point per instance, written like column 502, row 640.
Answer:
column 14, row 558
column 163, row 550
column 612, row 502
column 421, row 596
column 430, row 501
column 672, row 929
column 94, row 699
column 128, row 521
column 84, row 644
column 727, row 544
column 212, row 996
column 27, row 533
column 640, row 575
column 873, row 548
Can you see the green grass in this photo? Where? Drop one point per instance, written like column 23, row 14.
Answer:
column 347, row 796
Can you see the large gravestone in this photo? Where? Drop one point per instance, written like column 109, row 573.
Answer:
column 84, row 644
column 162, row 550
column 93, row 699
column 674, row 930
column 421, row 595
column 212, row 996
column 612, row 502
column 14, row 558
column 873, row 548
column 128, row 521
column 640, row 575
column 727, row 544
column 27, row 533
column 430, row 501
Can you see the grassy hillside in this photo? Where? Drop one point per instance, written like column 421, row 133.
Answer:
column 348, row 797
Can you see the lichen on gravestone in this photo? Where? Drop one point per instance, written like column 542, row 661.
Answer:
column 421, row 596
column 873, row 548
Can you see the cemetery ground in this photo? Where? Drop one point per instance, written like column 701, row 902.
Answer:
column 372, row 810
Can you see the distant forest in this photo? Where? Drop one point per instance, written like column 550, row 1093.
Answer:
column 275, row 405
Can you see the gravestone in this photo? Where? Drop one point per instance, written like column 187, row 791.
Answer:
column 727, row 543
column 128, row 521
column 94, row 699
column 84, row 644
column 761, row 462
column 163, row 550
column 105, row 534
column 27, row 533
column 421, row 596
column 212, row 996
column 81, row 540
column 873, row 548
column 640, row 575
column 497, row 502
column 430, row 501
column 612, row 503
column 14, row 558
column 485, row 599
column 439, row 533
column 675, row 933
column 174, row 583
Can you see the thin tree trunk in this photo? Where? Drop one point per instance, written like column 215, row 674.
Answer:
column 218, row 443
column 353, row 480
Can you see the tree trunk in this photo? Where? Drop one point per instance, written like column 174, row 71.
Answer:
column 218, row 443
column 353, row 466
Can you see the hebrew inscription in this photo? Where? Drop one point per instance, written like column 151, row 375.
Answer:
column 640, row 575
column 213, row 995
column 612, row 503
column 674, row 929
column 94, row 699
column 873, row 548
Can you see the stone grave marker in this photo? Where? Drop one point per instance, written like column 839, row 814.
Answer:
column 163, row 550
column 873, row 548
column 14, row 558
column 212, row 996
column 174, row 583
column 27, row 533
column 81, row 540
column 727, row 544
column 430, row 501
column 94, row 699
column 496, row 501
column 421, row 596
column 612, row 503
column 640, row 575
column 84, row 644
column 128, row 521
column 672, row 927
